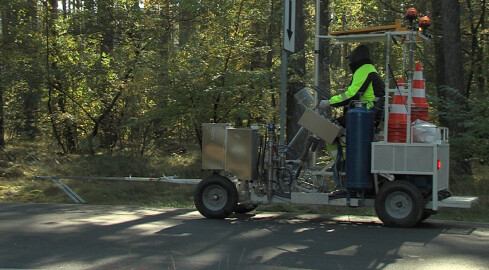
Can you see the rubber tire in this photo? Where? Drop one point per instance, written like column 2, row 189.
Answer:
column 427, row 214
column 245, row 208
column 404, row 193
column 220, row 187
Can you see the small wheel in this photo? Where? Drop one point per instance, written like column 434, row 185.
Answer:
column 245, row 208
column 399, row 204
column 216, row 197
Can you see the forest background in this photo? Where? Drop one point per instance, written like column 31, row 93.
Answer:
column 121, row 87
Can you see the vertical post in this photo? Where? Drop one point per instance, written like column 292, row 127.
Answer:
column 434, row 186
column 283, row 97
column 316, row 64
column 411, row 55
column 410, row 84
column 316, row 48
column 288, row 42
column 271, row 170
column 386, row 97
column 425, row 57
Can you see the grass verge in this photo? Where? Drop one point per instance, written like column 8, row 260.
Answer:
column 21, row 163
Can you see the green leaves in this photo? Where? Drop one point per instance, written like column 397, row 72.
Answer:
column 115, row 71
column 137, row 76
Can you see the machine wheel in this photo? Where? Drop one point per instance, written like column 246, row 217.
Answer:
column 399, row 204
column 245, row 208
column 426, row 214
column 216, row 197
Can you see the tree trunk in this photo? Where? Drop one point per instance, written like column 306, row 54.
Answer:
column 2, row 125
column 89, row 4
column 449, row 76
column 297, row 66
column 274, row 28
column 477, row 25
column 57, row 95
column 324, row 80
column 51, row 35
column 32, row 94
column 448, row 55
column 3, row 14
column 105, row 21
column 438, row 40
column 452, row 54
column 186, row 24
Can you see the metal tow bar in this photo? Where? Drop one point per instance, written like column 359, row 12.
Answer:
column 67, row 190
column 78, row 199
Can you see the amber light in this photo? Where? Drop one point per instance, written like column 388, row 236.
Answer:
column 424, row 22
column 411, row 14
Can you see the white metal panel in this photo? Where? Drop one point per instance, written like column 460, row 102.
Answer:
column 456, row 202
column 325, row 199
column 319, row 126
column 443, row 172
column 400, row 158
column 309, row 198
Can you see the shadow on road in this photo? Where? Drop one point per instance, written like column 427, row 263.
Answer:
column 111, row 237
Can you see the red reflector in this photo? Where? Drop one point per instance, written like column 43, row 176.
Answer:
column 438, row 164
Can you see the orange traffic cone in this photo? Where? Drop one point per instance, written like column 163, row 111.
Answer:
column 396, row 131
column 419, row 108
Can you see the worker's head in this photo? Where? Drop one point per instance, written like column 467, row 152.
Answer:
column 360, row 55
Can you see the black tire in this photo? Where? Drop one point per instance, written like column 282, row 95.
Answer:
column 426, row 214
column 216, row 197
column 245, row 208
column 399, row 204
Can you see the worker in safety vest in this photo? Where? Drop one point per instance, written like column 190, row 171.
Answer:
column 366, row 84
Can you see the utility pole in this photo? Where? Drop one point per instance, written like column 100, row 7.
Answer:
column 288, row 46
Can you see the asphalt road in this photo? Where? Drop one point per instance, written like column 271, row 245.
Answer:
column 46, row 236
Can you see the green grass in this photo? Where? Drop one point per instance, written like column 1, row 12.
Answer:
column 20, row 163
column 465, row 185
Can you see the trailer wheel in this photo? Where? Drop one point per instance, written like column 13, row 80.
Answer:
column 216, row 197
column 426, row 214
column 399, row 204
column 245, row 208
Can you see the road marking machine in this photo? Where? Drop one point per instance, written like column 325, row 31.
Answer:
column 401, row 170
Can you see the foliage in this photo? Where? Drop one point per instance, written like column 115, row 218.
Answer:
column 141, row 76
column 134, row 77
column 470, row 115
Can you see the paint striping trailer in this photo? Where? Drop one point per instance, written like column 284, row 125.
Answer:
column 405, row 180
